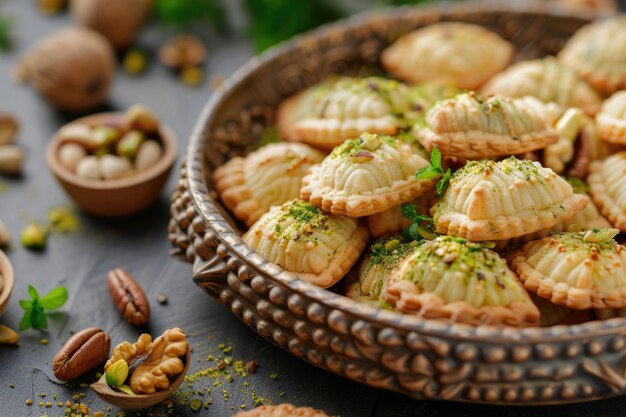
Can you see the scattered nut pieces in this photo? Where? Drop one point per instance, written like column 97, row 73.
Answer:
column 9, row 127
column 162, row 298
column 7, row 335
column 128, row 297
column 135, row 62
column 34, row 236
column 251, row 367
column 182, row 51
column 81, row 353
column 151, row 363
column 11, row 159
column 192, row 76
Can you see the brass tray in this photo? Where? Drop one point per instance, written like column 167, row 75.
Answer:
column 422, row 358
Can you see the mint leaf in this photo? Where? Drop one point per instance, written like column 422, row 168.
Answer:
column 32, row 292
column 54, row 299
column 26, row 305
column 428, row 173
column 40, row 321
column 27, row 320
column 414, row 232
column 409, row 211
column 435, row 158
column 442, row 185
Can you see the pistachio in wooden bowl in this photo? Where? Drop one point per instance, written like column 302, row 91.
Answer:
column 113, row 164
column 146, row 372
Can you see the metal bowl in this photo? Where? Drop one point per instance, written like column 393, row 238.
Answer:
column 425, row 359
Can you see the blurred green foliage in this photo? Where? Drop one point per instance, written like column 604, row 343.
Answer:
column 5, row 33
column 275, row 20
column 184, row 12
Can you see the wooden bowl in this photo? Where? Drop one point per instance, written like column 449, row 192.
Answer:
column 6, row 270
column 134, row 402
column 425, row 359
column 118, row 197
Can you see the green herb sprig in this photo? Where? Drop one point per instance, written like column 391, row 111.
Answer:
column 422, row 226
column 35, row 308
column 6, row 23
column 435, row 170
column 182, row 13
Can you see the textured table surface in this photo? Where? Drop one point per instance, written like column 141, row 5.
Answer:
column 139, row 244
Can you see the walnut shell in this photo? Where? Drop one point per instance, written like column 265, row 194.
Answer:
column 72, row 68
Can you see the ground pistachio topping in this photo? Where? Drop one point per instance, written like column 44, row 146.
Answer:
column 389, row 252
column 594, row 241
column 361, row 148
column 299, row 220
column 530, row 170
column 457, row 254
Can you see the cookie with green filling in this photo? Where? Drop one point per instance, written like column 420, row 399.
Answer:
column 452, row 279
column 462, row 54
column 342, row 108
column 267, row 177
column 366, row 176
column 597, row 52
column 580, row 270
column 549, row 81
column 317, row 247
column 384, row 257
column 469, row 126
column 487, row 200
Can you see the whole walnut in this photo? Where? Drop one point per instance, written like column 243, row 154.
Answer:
column 117, row 20
column 72, row 68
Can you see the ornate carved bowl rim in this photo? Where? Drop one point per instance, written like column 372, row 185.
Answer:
column 203, row 200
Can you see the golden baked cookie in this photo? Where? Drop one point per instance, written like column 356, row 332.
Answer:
column 384, row 257
column 607, row 181
column 451, row 278
column 317, row 247
column 471, row 127
column 282, row 410
column 597, row 52
column 462, row 54
column 392, row 221
column 342, row 108
column 268, row 177
column 489, row 200
column 547, row 80
column 611, row 120
column 579, row 270
column 365, row 176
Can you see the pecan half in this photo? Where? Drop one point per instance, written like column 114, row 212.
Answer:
column 128, row 297
column 81, row 353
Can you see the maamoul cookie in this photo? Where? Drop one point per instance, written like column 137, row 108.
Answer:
column 342, row 108
column 384, row 257
column 365, row 176
column 462, row 54
column 451, row 278
column 317, row 247
column 607, row 180
column 579, row 270
column 282, row 410
column 611, row 120
column 598, row 53
column 268, row 177
column 547, row 80
column 471, row 127
column 489, row 200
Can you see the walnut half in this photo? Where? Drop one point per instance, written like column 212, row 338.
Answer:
column 152, row 363
column 164, row 361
